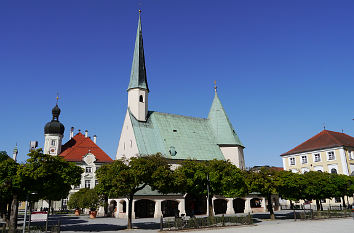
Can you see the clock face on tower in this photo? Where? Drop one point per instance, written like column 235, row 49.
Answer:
column 52, row 150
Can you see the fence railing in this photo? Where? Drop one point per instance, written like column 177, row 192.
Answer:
column 306, row 214
column 204, row 222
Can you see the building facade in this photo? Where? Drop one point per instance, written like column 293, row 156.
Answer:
column 80, row 149
column 328, row 151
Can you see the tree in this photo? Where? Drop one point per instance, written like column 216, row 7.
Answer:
column 50, row 177
column 84, row 198
column 123, row 178
column 215, row 177
column 318, row 187
column 266, row 182
column 291, row 185
column 341, row 185
column 10, row 189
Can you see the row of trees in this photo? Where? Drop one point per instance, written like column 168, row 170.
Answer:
column 124, row 178
column 40, row 177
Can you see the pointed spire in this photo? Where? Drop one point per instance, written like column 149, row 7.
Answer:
column 220, row 124
column 138, row 71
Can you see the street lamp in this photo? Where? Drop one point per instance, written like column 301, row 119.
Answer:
column 24, row 219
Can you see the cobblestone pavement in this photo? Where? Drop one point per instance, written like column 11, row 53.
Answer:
column 73, row 224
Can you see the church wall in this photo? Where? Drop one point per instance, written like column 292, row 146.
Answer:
column 127, row 146
column 234, row 154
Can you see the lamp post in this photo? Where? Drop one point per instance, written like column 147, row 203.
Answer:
column 25, row 217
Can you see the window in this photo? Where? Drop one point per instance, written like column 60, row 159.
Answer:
column 77, row 187
column 304, row 159
column 96, row 182
column 334, row 171
column 88, row 184
column 351, row 155
column 337, row 199
column 141, row 99
column 292, row 161
column 317, row 157
column 88, row 169
column 331, row 155
column 52, row 142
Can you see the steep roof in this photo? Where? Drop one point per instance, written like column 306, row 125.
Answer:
column 78, row 146
column 190, row 137
column 325, row 139
column 138, row 71
column 221, row 125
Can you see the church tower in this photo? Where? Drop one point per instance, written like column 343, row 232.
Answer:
column 225, row 135
column 138, row 90
column 53, row 133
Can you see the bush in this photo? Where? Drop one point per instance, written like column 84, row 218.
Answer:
column 84, row 198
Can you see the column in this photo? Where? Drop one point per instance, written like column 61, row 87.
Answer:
column 230, row 206
column 158, row 212
column 263, row 204
column 248, row 205
column 181, row 207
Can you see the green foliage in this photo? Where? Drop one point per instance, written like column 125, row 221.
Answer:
column 318, row 185
column 51, row 177
column 3, row 156
column 84, row 198
column 291, row 185
column 264, row 181
column 123, row 178
column 223, row 177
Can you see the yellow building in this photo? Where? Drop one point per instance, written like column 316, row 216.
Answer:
column 328, row 151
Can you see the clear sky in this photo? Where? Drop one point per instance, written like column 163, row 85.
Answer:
column 283, row 68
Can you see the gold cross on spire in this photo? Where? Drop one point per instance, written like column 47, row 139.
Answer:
column 57, row 98
column 139, row 11
column 215, row 87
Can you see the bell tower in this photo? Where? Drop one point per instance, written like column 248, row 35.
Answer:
column 53, row 133
column 138, row 90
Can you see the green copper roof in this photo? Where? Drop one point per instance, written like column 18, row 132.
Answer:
column 190, row 137
column 138, row 72
column 220, row 124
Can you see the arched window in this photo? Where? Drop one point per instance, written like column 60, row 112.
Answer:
column 141, row 99
column 334, row 171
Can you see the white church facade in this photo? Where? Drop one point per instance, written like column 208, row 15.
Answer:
column 177, row 138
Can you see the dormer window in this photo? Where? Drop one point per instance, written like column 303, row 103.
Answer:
column 141, row 99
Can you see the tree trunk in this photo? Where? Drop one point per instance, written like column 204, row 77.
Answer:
column 105, row 205
column 344, row 205
column 14, row 213
column 318, row 205
column 291, row 205
column 211, row 206
column 270, row 207
column 130, row 211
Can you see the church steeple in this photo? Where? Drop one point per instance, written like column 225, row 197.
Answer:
column 138, row 90
column 138, row 71
column 221, row 125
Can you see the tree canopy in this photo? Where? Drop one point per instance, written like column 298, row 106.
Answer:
column 123, row 178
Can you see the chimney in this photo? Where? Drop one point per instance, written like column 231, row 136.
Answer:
column 94, row 138
column 71, row 132
column 86, row 132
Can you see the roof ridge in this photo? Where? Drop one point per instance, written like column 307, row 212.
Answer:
column 179, row 115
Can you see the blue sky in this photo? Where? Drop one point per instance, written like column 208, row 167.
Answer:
column 283, row 68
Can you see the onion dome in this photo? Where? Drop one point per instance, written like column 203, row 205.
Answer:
column 54, row 126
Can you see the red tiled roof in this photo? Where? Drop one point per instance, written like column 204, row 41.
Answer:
column 325, row 139
column 78, row 146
